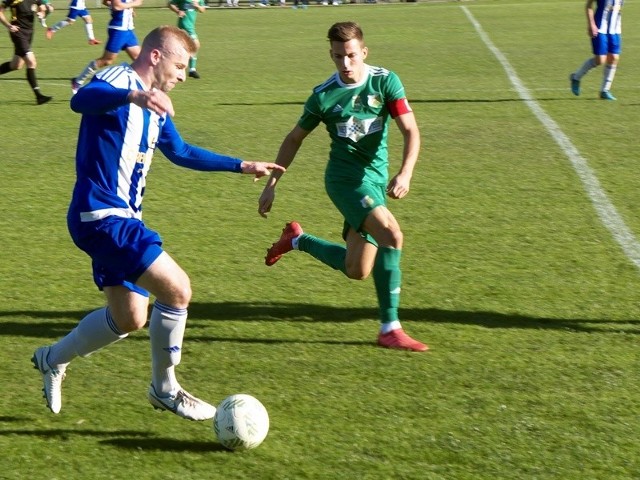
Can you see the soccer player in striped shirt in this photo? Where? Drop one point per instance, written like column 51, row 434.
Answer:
column 126, row 115
column 121, row 35
column 356, row 105
column 77, row 8
column 604, row 28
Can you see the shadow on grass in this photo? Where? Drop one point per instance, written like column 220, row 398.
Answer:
column 164, row 444
column 66, row 433
column 125, row 439
column 53, row 324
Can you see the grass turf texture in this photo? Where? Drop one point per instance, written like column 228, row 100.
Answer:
column 529, row 306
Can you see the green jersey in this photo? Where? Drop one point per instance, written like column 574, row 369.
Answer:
column 357, row 119
column 188, row 22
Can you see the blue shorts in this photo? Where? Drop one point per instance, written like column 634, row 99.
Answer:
column 121, row 249
column 120, row 40
column 605, row 43
column 75, row 13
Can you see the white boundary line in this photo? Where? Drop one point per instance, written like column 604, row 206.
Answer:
column 609, row 217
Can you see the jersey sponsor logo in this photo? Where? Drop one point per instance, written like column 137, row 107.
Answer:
column 355, row 129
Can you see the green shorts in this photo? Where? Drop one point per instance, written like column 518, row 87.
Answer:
column 191, row 30
column 355, row 202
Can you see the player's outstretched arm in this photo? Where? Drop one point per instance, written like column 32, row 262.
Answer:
column 261, row 169
column 287, row 152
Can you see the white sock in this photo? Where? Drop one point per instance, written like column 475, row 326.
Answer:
column 88, row 27
column 389, row 326
column 59, row 25
column 88, row 71
column 94, row 332
column 166, row 332
column 586, row 66
column 607, row 77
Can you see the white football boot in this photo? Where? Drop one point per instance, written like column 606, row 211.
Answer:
column 51, row 377
column 182, row 404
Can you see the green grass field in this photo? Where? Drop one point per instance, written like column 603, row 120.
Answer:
column 528, row 302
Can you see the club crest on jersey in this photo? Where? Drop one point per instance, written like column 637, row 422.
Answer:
column 366, row 201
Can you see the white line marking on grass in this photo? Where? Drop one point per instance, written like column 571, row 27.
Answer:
column 609, row 217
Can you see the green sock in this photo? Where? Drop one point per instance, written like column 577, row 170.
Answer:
column 192, row 63
column 387, row 278
column 329, row 253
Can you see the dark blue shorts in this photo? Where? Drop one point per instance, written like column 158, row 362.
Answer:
column 121, row 249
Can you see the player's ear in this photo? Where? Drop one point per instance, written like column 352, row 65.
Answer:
column 365, row 52
column 155, row 56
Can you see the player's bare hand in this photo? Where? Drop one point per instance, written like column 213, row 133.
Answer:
column 265, row 202
column 260, row 169
column 154, row 100
column 398, row 186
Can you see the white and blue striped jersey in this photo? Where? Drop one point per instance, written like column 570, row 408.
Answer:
column 121, row 19
column 608, row 16
column 116, row 142
column 78, row 5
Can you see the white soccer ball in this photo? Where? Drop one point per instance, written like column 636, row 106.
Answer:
column 241, row 422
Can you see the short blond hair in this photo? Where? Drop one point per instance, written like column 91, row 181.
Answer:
column 164, row 37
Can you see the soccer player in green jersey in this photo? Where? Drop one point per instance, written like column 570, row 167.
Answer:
column 43, row 14
column 356, row 105
column 187, row 11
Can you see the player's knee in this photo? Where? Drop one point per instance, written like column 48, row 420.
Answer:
column 357, row 271
column 183, row 294
column 130, row 322
column 177, row 295
column 398, row 238
column 391, row 237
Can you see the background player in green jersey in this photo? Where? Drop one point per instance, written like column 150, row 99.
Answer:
column 187, row 11
column 356, row 104
column 43, row 14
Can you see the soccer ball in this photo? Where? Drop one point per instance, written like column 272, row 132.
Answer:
column 241, row 422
